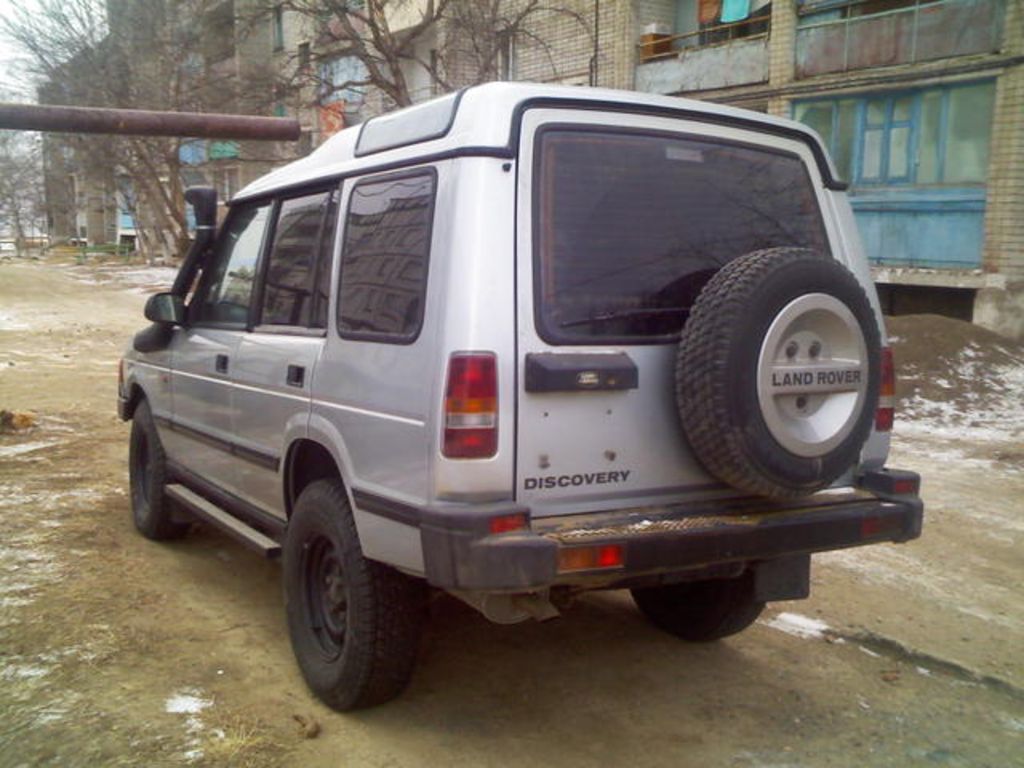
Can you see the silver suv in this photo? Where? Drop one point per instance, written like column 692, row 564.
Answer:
column 516, row 343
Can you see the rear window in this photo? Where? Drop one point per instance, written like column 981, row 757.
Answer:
column 629, row 226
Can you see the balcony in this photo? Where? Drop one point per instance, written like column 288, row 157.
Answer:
column 924, row 30
column 715, row 57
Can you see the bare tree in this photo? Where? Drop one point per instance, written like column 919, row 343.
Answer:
column 140, row 54
column 450, row 43
column 21, row 199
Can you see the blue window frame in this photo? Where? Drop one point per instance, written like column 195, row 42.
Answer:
column 928, row 136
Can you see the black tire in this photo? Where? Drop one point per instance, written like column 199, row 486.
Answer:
column 717, row 369
column 701, row 611
column 147, row 474
column 356, row 646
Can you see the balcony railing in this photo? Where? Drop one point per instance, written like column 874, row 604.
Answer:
column 924, row 31
column 654, row 47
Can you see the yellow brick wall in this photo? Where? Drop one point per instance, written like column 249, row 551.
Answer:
column 1004, row 211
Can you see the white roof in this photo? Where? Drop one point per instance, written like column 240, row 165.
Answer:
column 484, row 118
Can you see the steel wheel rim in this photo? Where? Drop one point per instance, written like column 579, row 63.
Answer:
column 325, row 595
column 812, row 375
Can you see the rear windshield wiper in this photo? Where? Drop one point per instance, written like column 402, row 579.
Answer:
column 620, row 314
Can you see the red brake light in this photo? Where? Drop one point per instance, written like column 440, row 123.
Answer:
column 471, row 406
column 886, row 413
column 515, row 521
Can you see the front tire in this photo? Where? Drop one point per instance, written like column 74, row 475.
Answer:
column 147, row 474
column 701, row 611
column 354, row 623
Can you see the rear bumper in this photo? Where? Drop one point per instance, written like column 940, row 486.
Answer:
column 460, row 553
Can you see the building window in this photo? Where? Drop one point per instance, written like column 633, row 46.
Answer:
column 304, row 57
column 343, row 79
column 278, row 28
column 932, row 136
column 817, row 11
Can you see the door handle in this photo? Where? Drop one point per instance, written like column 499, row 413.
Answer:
column 296, row 376
column 221, row 364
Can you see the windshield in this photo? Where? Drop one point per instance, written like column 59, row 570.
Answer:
column 629, row 226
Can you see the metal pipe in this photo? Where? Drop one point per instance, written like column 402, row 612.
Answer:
column 137, row 122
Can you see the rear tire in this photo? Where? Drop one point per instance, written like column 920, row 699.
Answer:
column 354, row 623
column 701, row 611
column 147, row 475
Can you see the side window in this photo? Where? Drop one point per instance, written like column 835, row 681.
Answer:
column 226, row 288
column 385, row 256
column 288, row 293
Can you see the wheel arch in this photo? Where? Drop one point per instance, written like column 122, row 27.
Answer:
column 307, row 461
column 135, row 396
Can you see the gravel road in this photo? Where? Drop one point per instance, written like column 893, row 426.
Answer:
column 119, row 651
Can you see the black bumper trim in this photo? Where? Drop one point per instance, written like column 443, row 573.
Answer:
column 460, row 552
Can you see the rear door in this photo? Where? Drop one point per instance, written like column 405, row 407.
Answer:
column 275, row 361
column 622, row 220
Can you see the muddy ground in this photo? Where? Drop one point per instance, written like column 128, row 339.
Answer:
column 118, row 651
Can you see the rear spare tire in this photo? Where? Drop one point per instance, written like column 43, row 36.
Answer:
column 777, row 373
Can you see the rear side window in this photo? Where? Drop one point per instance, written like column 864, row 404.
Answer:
column 226, row 288
column 290, row 291
column 628, row 227
column 385, row 255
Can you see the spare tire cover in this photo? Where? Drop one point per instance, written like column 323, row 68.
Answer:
column 777, row 373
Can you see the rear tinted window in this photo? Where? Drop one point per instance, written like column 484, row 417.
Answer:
column 384, row 258
column 629, row 227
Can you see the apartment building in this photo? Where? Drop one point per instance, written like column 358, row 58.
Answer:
column 921, row 103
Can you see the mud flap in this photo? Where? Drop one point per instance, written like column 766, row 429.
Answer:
column 784, row 578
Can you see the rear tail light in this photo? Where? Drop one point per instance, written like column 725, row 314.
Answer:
column 886, row 413
column 471, row 406
column 590, row 558
column 120, row 376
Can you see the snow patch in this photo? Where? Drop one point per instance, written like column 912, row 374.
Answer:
column 7, row 451
column 798, row 626
column 9, row 322
column 191, row 703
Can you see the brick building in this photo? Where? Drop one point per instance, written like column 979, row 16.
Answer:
column 921, row 103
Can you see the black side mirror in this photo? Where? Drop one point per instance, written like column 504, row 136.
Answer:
column 166, row 309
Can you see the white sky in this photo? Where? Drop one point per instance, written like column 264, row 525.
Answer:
column 14, row 83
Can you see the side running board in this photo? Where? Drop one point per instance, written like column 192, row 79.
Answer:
column 231, row 525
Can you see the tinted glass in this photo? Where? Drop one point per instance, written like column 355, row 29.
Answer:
column 630, row 227
column 288, row 291
column 226, row 288
column 322, row 285
column 384, row 258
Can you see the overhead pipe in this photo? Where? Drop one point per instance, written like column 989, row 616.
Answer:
column 139, row 122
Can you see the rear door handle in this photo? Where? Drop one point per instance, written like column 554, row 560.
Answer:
column 221, row 364
column 296, row 376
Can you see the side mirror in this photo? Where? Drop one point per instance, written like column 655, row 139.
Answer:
column 165, row 308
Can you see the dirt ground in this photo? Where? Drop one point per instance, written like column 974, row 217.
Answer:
column 118, row 651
